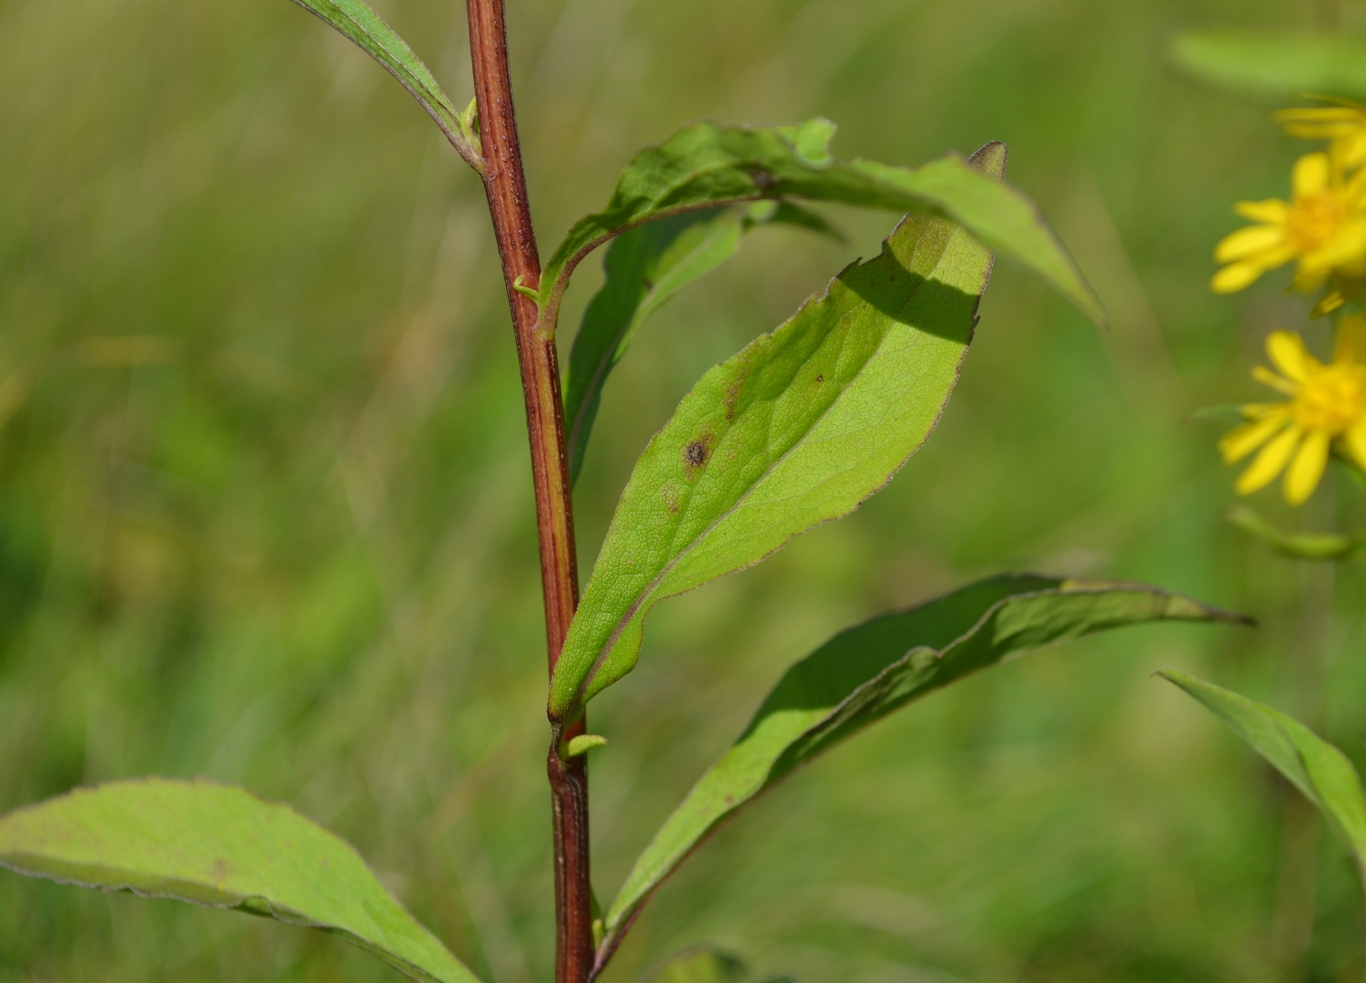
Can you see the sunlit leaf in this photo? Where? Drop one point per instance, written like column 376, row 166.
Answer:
column 1299, row 546
column 799, row 428
column 644, row 268
column 1318, row 769
column 867, row 672
column 704, row 165
column 1277, row 66
column 356, row 20
column 220, row 846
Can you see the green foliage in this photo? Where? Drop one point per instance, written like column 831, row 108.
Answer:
column 869, row 671
column 367, row 29
column 1299, row 546
column 797, row 429
column 1276, row 66
column 704, row 165
column 1318, row 769
column 703, row 965
column 223, row 847
column 644, row 268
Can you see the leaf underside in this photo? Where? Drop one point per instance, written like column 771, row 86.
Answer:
column 223, row 847
column 1318, row 769
column 869, row 671
column 1276, row 66
column 797, row 429
column 368, row 31
column 705, row 164
column 644, row 268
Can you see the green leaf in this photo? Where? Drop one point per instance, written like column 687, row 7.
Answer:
column 356, row 20
column 1299, row 546
column 644, row 268
column 874, row 669
column 223, row 847
column 1278, row 66
column 700, row 965
column 1318, row 769
column 799, row 428
column 705, row 164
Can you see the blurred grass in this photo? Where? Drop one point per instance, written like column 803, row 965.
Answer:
column 265, row 509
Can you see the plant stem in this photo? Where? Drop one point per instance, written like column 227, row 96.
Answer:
column 505, row 186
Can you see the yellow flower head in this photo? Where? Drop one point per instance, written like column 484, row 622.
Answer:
column 1342, row 125
column 1323, row 226
column 1327, row 404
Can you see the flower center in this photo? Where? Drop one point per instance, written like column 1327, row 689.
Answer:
column 1332, row 400
column 1314, row 220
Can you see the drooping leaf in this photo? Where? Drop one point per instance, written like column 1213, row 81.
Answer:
column 704, row 165
column 1299, row 546
column 799, row 428
column 867, row 672
column 223, row 847
column 645, row 267
column 358, row 22
column 1318, row 769
column 1276, row 66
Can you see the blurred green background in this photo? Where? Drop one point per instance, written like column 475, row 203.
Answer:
column 265, row 506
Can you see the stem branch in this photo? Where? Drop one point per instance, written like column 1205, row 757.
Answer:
column 505, row 186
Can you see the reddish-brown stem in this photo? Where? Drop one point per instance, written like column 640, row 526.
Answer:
column 505, row 185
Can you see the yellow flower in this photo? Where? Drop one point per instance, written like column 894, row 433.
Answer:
column 1323, row 226
column 1327, row 404
column 1342, row 125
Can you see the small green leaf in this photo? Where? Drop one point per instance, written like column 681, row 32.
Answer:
column 1318, row 769
column 583, row 744
column 1299, row 546
column 364, row 27
column 867, row 672
column 799, row 428
column 223, row 847
column 704, row 165
column 1277, row 66
column 703, row 964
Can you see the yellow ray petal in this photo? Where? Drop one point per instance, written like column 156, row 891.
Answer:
column 1272, row 210
column 1235, row 277
column 1310, row 175
column 1306, row 469
column 1351, row 340
column 1355, row 442
column 1269, row 462
column 1248, row 242
column 1287, row 352
column 1268, row 378
column 1242, row 441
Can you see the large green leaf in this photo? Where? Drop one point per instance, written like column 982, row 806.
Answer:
column 867, row 672
column 644, row 268
column 705, row 164
column 224, row 847
column 799, row 428
column 356, row 20
column 1318, row 769
column 1276, row 66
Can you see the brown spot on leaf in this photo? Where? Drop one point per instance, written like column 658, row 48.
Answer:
column 820, row 377
column 696, row 453
column 762, row 179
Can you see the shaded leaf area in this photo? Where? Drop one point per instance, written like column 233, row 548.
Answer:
column 798, row 428
column 221, row 846
column 1298, row 546
column 867, row 672
column 1275, row 66
column 705, row 164
column 368, row 31
column 643, row 269
column 1318, row 769
column 704, row 964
